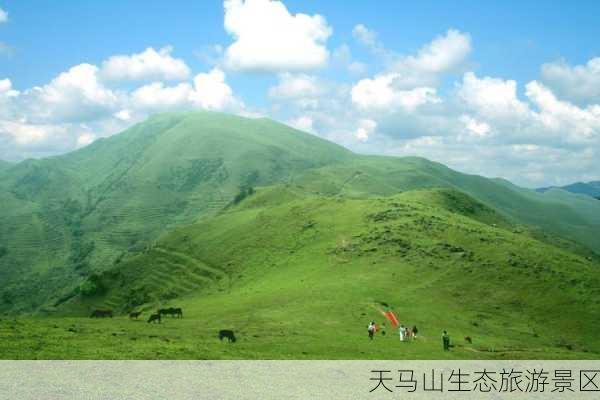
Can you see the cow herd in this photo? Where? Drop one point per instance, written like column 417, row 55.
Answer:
column 156, row 317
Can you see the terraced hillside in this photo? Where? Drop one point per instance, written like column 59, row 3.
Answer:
column 68, row 219
column 299, row 275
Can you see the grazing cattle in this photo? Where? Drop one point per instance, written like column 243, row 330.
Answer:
column 227, row 333
column 134, row 314
column 468, row 339
column 154, row 318
column 172, row 311
column 101, row 314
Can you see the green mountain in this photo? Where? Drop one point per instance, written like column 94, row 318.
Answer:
column 66, row 217
column 588, row 188
column 253, row 225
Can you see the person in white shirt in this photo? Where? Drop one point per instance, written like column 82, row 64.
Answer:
column 371, row 329
column 402, row 333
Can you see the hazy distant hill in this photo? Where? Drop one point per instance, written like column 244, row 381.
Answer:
column 66, row 218
column 590, row 188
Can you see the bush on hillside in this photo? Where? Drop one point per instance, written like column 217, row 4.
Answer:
column 245, row 191
column 92, row 286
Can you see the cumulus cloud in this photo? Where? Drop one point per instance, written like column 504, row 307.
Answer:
column 156, row 96
column 267, row 37
column 76, row 107
column 474, row 127
column 445, row 54
column 6, row 89
column 381, row 93
column 208, row 91
column 303, row 123
column 575, row 123
column 149, row 64
column 365, row 128
column 3, row 16
column 26, row 134
column 580, row 83
column 74, row 95
column 212, row 93
column 491, row 97
column 294, row 86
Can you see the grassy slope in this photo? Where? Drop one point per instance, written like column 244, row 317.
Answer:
column 299, row 276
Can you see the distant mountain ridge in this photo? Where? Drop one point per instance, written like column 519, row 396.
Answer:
column 588, row 188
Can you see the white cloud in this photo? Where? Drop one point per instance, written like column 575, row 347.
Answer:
column 267, row 37
column 6, row 89
column 75, row 108
column 209, row 91
column 149, row 64
column 443, row 55
column 365, row 129
column 156, row 96
column 580, row 83
column 75, row 95
column 292, row 86
column 491, row 97
column 3, row 16
column 563, row 117
column 364, row 35
column 212, row 93
column 303, row 123
column 474, row 127
column 380, row 93
column 85, row 138
column 26, row 134
column 123, row 115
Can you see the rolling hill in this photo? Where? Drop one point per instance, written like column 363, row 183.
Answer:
column 249, row 223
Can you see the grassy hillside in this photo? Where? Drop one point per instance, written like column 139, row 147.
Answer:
column 67, row 219
column 299, row 275
column 574, row 217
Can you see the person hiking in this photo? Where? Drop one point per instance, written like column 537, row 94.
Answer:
column 446, row 341
column 402, row 331
column 414, row 332
column 371, row 329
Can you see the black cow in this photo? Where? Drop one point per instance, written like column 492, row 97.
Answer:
column 172, row 311
column 227, row 333
column 101, row 314
column 134, row 314
column 154, row 318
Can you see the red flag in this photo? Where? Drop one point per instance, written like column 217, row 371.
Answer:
column 390, row 315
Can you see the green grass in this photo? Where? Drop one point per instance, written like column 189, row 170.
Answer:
column 308, row 289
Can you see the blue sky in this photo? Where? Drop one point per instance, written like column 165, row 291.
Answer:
column 506, row 89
